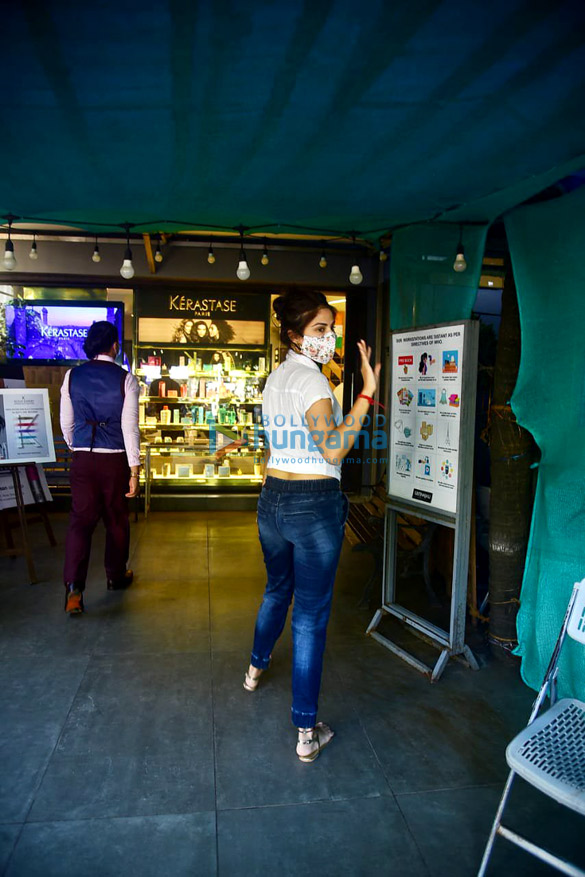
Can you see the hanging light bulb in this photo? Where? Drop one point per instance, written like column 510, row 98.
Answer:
column 460, row 264
column 243, row 271
column 9, row 262
column 158, row 256
column 355, row 275
column 33, row 249
column 127, row 269
column 210, row 254
column 383, row 256
column 264, row 260
column 95, row 256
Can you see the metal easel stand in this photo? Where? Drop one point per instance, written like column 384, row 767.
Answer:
column 451, row 643
column 16, row 552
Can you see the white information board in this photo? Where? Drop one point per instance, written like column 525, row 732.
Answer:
column 26, row 435
column 425, row 415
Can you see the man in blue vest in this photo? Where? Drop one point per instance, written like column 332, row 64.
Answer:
column 99, row 421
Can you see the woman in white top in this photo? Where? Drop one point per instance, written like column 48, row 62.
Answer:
column 301, row 509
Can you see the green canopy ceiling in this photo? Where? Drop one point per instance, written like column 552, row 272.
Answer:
column 321, row 114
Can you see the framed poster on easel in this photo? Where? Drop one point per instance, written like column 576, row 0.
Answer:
column 431, row 427
column 26, row 437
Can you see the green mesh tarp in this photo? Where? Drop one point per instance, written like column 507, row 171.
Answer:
column 424, row 288
column 546, row 245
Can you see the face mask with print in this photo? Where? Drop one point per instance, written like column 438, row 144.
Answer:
column 319, row 349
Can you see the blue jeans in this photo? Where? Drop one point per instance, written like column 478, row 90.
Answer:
column 301, row 525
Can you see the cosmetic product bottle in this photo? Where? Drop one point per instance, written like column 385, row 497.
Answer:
column 176, row 415
column 165, row 415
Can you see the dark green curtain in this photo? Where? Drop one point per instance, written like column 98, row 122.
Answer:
column 546, row 246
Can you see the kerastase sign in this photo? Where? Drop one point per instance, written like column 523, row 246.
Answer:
column 204, row 305
column 204, row 320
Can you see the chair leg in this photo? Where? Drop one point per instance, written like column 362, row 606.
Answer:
column 496, row 825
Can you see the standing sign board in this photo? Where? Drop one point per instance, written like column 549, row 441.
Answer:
column 430, row 465
column 26, row 435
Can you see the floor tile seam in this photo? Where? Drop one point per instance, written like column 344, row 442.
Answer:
column 212, row 691
column 433, row 789
column 364, row 731
column 44, row 772
column 386, row 779
column 56, row 821
column 338, row 799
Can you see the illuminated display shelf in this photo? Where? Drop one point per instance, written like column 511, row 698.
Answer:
column 195, row 400
column 212, row 375
column 160, row 425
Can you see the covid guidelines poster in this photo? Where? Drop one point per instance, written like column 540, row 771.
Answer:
column 26, row 435
column 426, row 401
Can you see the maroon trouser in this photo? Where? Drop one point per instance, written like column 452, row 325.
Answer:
column 99, row 483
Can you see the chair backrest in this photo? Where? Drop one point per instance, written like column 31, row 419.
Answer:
column 576, row 626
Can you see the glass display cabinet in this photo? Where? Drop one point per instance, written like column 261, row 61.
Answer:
column 192, row 404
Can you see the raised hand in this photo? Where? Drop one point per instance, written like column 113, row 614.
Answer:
column 370, row 376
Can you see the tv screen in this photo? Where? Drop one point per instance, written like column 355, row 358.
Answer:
column 54, row 331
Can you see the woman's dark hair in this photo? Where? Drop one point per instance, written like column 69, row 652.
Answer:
column 195, row 335
column 100, row 338
column 295, row 308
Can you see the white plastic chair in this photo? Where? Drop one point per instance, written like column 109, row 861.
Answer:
column 550, row 752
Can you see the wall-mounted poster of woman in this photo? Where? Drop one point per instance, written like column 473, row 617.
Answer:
column 204, row 332
column 220, row 332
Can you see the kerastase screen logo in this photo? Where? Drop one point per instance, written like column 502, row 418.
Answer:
column 56, row 331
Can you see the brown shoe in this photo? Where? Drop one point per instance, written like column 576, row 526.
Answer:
column 73, row 601
column 120, row 584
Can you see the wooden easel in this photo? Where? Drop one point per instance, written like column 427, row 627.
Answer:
column 11, row 550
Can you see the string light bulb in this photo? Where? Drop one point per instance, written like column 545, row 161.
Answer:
column 33, row 249
column 383, row 256
column 264, row 260
column 95, row 256
column 243, row 270
column 158, row 256
column 210, row 254
column 9, row 261
column 460, row 264
column 323, row 260
column 127, row 269
column 355, row 275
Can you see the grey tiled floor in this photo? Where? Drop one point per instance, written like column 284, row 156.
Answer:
column 128, row 746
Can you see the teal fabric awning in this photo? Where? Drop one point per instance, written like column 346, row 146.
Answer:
column 324, row 115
